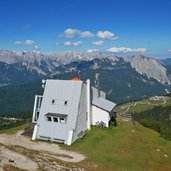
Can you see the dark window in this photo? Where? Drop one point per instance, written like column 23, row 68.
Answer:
column 65, row 102
column 37, row 116
column 55, row 119
column 53, row 101
column 49, row 118
column 62, row 120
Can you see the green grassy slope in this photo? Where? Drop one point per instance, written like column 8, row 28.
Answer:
column 15, row 129
column 142, row 105
column 118, row 148
column 121, row 148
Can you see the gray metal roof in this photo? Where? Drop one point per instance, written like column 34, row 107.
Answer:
column 95, row 94
column 104, row 104
column 56, row 115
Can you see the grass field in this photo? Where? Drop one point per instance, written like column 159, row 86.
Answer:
column 124, row 147
column 142, row 105
column 15, row 129
column 120, row 148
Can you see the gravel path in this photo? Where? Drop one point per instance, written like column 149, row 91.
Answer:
column 49, row 148
column 9, row 157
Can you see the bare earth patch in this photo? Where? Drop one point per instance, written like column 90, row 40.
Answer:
column 20, row 151
column 10, row 157
column 52, row 149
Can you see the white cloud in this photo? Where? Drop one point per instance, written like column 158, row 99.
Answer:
column 92, row 50
column 27, row 42
column 79, row 43
column 98, row 43
column 107, row 35
column 126, row 50
column 71, row 33
column 86, row 34
column 18, row 43
column 169, row 50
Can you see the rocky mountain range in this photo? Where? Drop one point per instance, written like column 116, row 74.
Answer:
column 123, row 79
column 33, row 65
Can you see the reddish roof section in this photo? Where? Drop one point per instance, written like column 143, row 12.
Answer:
column 75, row 79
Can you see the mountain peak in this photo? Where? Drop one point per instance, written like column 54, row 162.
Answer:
column 46, row 64
column 150, row 67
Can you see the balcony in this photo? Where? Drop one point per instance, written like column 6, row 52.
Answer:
column 37, row 106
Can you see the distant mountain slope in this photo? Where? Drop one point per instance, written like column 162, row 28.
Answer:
column 19, row 98
column 118, row 79
column 150, row 67
column 123, row 79
column 43, row 65
column 32, row 65
column 15, row 73
column 166, row 61
column 24, row 66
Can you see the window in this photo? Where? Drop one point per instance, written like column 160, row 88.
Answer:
column 65, row 102
column 55, row 119
column 49, row 118
column 53, row 101
column 62, row 120
column 36, row 116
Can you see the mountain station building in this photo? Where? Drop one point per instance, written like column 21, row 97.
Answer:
column 67, row 109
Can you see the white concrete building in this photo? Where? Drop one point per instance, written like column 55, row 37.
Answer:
column 102, row 111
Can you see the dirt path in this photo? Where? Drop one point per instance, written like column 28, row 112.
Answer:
column 10, row 157
column 145, row 102
column 51, row 149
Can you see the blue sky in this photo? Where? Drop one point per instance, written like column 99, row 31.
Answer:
column 116, row 26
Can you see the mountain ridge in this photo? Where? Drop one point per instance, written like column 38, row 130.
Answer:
column 45, row 65
column 116, row 76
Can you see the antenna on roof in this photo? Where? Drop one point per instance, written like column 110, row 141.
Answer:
column 43, row 83
column 79, row 74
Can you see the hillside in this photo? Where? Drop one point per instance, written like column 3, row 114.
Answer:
column 32, row 65
column 142, row 105
column 118, row 79
column 124, row 147
column 123, row 79
column 153, row 113
column 18, row 98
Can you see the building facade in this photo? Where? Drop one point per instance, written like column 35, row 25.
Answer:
column 67, row 109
